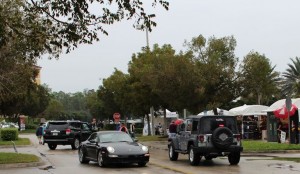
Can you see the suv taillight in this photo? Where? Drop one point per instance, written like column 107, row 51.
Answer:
column 238, row 137
column 68, row 131
column 201, row 138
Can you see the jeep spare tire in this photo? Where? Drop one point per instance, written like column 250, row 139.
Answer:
column 222, row 137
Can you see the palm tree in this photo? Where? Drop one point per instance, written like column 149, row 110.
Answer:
column 291, row 81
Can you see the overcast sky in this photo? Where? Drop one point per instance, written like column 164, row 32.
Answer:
column 270, row 27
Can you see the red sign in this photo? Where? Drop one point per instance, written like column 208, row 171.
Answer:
column 117, row 117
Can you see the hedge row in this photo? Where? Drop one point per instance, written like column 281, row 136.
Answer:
column 9, row 134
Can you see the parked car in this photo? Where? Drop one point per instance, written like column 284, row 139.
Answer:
column 111, row 147
column 207, row 136
column 9, row 125
column 66, row 133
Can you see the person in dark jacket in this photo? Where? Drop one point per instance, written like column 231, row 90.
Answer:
column 172, row 129
column 39, row 133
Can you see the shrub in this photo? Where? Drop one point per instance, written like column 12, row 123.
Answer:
column 138, row 130
column 110, row 127
column 9, row 134
column 31, row 126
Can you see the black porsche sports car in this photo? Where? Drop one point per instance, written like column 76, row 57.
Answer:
column 111, row 147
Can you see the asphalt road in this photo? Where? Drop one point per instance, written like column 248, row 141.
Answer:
column 63, row 160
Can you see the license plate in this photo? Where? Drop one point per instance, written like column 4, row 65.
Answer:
column 55, row 134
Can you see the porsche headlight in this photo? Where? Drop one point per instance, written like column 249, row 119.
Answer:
column 110, row 149
column 145, row 148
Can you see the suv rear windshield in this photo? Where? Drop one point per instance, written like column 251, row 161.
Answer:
column 57, row 125
column 209, row 124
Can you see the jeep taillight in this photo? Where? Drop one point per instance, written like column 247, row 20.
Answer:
column 201, row 138
column 68, row 131
column 238, row 137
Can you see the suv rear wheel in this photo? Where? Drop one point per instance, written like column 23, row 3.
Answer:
column 172, row 154
column 52, row 146
column 75, row 144
column 194, row 158
column 234, row 158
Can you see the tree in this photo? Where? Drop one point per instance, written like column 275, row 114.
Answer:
column 171, row 79
column 54, row 109
column 94, row 104
column 74, row 22
column 291, row 83
column 32, row 28
column 21, row 42
column 216, row 62
column 258, row 79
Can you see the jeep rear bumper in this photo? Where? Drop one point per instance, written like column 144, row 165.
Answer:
column 209, row 150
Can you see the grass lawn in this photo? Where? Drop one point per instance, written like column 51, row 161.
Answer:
column 8, row 158
column 20, row 141
column 251, row 145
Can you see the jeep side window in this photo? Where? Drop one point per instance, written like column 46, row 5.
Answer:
column 195, row 126
column 189, row 125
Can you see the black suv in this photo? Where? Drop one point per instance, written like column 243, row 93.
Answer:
column 66, row 133
column 208, row 136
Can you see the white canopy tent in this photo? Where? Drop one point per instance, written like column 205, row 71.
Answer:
column 210, row 112
column 247, row 110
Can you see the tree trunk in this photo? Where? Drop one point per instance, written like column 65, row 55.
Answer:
column 165, row 122
column 148, row 122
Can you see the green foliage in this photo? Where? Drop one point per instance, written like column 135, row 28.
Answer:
column 31, row 126
column 70, row 23
column 291, row 84
column 9, row 134
column 110, row 127
column 258, row 79
column 215, row 64
column 138, row 130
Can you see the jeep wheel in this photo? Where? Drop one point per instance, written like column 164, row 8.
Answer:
column 82, row 157
column 222, row 137
column 234, row 158
column 52, row 146
column 75, row 144
column 172, row 154
column 194, row 158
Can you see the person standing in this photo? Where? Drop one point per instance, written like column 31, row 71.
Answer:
column 39, row 133
column 172, row 129
column 132, row 129
column 94, row 124
column 123, row 128
column 279, row 129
